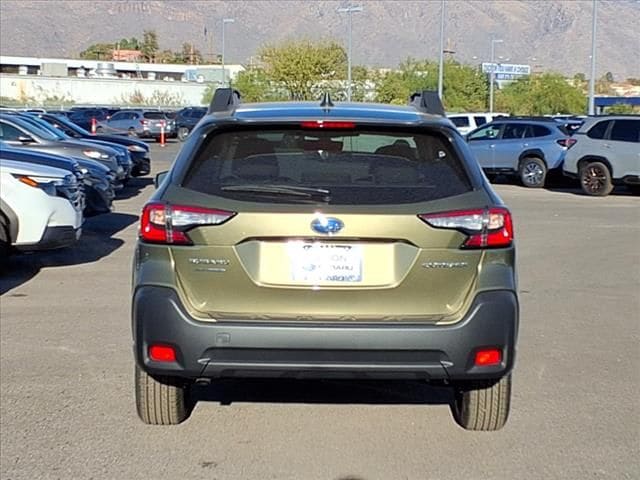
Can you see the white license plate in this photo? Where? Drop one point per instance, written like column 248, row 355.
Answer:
column 325, row 262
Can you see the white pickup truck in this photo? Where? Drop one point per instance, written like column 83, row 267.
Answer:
column 40, row 207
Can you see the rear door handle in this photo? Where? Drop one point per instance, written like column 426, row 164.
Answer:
column 492, row 146
column 606, row 145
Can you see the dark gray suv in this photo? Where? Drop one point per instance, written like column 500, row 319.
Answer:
column 137, row 123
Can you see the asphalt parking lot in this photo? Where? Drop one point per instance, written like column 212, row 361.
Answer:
column 67, row 408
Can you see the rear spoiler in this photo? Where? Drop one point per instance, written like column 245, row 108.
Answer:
column 224, row 100
column 427, row 101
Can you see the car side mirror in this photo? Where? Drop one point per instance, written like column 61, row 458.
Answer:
column 25, row 139
column 159, row 178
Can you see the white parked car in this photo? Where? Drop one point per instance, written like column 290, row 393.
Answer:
column 40, row 207
column 605, row 153
column 466, row 122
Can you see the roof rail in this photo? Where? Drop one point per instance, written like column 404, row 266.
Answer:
column 224, row 100
column 427, row 101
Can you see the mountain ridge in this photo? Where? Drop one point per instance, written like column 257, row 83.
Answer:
column 547, row 34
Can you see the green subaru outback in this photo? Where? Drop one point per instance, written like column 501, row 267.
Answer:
column 325, row 240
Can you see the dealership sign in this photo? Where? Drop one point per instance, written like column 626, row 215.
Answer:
column 508, row 71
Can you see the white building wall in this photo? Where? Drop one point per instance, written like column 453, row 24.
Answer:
column 104, row 91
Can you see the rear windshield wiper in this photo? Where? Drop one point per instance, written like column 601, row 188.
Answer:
column 294, row 191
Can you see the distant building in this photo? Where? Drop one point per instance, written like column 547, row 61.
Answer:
column 126, row 55
column 117, row 69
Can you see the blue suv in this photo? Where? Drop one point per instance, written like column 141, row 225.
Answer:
column 527, row 147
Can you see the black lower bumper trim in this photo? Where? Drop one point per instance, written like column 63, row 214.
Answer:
column 221, row 349
column 54, row 237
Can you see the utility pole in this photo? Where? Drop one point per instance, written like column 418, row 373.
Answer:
column 492, row 75
column 441, row 66
column 224, row 22
column 350, row 9
column 592, row 80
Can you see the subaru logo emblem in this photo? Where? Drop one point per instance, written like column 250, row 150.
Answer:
column 326, row 225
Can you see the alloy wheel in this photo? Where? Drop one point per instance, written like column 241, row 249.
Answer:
column 533, row 174
column 594, row 179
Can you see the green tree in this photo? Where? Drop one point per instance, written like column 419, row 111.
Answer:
column 301, row 67
column 165, row 56
column 464, row 88
column 149, row 46
column 98, row 51
column 254, row 86
column 621, row 109
column 129, row 44
column 189, row 54
column 549, row 93
column 397, row 85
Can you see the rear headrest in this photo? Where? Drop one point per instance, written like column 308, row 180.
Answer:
column 254, row 146
column 257, row 167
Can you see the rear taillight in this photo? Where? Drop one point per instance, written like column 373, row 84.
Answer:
column 144, row 122
column 164, row 223
column 486, row 228
column 322, row 124
column 567, row 142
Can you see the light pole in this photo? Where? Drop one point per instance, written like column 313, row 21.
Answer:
column 441, row 67
column 350, row 9
column 224, row 22
column 493, row 71
column 592, row 80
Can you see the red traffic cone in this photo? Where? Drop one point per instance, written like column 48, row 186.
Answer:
column 93, row 125
column 162, row 144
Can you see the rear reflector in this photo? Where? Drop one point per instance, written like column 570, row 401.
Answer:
column 316, row 124
column 162, row 353
column 164, row 223
column 486, row 228
column 485, row 358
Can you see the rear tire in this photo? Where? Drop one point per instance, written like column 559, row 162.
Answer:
column 132, row 132
column 532, row 172
column 183, row 133
column 482, row 406
column 595, row 179
column 161, row 400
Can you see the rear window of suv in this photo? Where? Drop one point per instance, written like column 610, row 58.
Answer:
column 154, row 115
column 357, row 167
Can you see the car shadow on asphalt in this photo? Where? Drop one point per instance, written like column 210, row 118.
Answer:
column 560, row 185
column 133, row 187
column 96, row 242
column 618, row 191
column 363, row 392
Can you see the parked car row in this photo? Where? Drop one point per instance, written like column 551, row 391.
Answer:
column 54, row 174
column 600, row 151
column 132, row 122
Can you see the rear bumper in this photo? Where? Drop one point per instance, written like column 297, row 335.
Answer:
column 233, row 349
column 55, row 237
